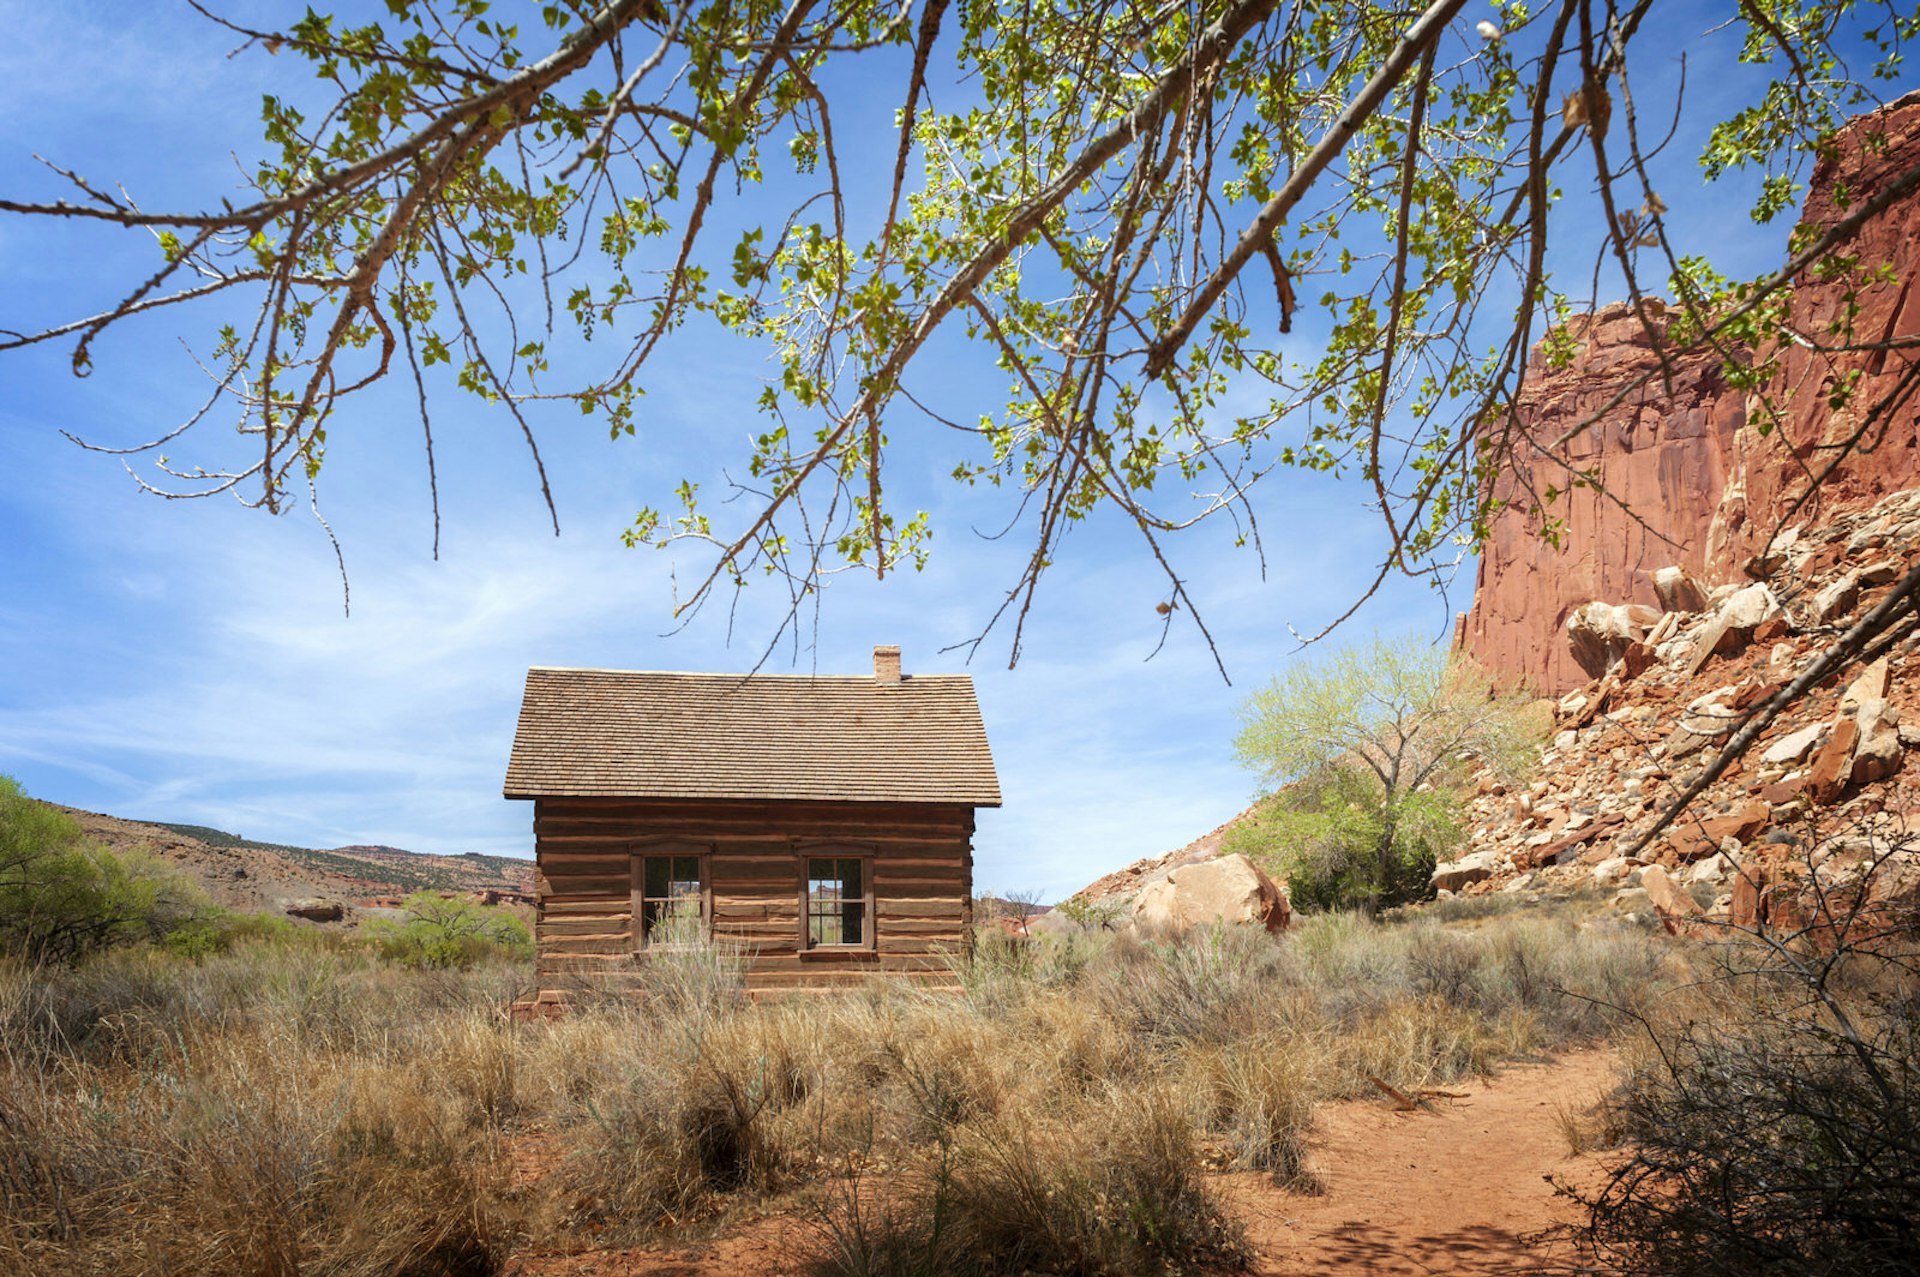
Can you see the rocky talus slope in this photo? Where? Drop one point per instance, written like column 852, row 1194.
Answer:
column 1824, row 802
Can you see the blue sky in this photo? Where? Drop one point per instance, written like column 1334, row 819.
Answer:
column 189, row 661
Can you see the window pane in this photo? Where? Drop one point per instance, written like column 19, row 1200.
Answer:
column 673, row 900
column 836, row 905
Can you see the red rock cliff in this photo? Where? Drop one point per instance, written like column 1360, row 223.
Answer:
column 1688, row 477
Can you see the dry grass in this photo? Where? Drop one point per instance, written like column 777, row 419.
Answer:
column 239, row 1115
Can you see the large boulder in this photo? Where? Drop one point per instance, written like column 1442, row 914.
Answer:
column 314, row 910
column 1669, row 899
column 1678, row 591
column 1748, row 608
column 1231, row 890
column 1794, row 746
column 1452, row 875
column 1601, row 634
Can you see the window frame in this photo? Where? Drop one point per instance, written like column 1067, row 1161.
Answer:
column 809, row 852
column 638, row 853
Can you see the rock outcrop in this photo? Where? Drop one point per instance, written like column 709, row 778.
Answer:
column 1693, row 475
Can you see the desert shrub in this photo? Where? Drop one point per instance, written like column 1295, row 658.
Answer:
column 1772, row 1121
column 1108, row 1186
column 241, row 1151
column 448, row 931
column 1001, row 971
column 698, row 1110
column 1093, row 913
column 216, row 930
column 1258, row 1095
column 1204, row 987
column 61, row 899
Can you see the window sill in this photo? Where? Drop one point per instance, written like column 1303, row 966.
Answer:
column 820, row 952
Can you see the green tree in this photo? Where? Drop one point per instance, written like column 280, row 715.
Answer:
column 1368, row 747
column 61, row 898
column 1126, row 208
column 450, row 931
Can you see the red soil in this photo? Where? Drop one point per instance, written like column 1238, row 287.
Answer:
column 1459, row 1188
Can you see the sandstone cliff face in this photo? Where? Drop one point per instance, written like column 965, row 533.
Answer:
column 1662, row 461
column 1773, row 472
column 1687, row 475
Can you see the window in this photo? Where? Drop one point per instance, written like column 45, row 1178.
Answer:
column 670, row 900
column 838, row 905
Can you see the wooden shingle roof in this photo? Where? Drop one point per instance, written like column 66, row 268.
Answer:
column 648, row 734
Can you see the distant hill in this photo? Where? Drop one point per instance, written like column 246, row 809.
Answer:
column 245, row 873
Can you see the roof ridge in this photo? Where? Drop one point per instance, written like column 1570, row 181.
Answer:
column 742, row 678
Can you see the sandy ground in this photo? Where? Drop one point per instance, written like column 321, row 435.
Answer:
column 1458, row 1187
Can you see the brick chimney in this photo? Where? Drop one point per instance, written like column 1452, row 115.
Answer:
column 886, row 664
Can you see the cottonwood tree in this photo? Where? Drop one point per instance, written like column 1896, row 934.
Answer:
column 62, row 898
column 1198, row 241
column 1368, row 747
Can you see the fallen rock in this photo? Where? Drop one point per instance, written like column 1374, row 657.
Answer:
column 1745, row 609
column 1669, row 899
column 1678, row 592
column 1837, row 599
column 1696, row 837
column 1552, row 852
column 1715, row 869
column 1878, row 754
column 1869, row 685
column 1230, row 890
column 1708, row 720
column 1794, row 746
column 1601, row 633
column 1477, row 866
column 314, row 910
column 1748, row 909
column 1615, row 871
column 1832, row 767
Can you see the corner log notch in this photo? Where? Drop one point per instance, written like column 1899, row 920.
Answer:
column 824, row 825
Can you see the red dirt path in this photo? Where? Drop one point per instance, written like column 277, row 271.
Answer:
column 1457, row 1188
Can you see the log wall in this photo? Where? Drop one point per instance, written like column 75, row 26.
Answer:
column 922, row 871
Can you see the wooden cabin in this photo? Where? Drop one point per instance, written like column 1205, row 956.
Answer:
column 822, row 824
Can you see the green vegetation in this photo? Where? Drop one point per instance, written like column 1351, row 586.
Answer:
column 1370, row 747
column 61, row 899
column 450, row 932
column 609, row 187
